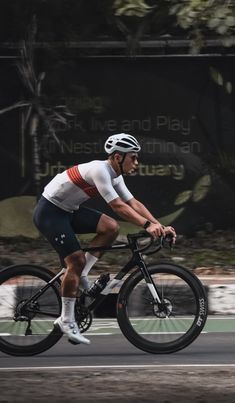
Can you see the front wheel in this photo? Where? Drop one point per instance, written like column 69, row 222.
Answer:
column 28, row 308
column 170, row 325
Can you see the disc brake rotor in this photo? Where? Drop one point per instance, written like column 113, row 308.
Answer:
column 163, row 310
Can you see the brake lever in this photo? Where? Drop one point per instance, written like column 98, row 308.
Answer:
column 167, row 242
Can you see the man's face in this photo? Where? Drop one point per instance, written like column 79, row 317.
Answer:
column 130, row 163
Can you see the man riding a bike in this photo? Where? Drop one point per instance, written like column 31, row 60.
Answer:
column 60, row 215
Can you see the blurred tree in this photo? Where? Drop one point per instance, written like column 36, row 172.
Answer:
column 39, row 117
column 201, row 18
column 76, row 20
column 137, row 18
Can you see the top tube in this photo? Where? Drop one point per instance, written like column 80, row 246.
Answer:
column 106, row 247
column 132, row 244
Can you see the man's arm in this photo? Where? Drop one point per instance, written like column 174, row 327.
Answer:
column 135, row 212
column 127, row 212
column 142, row 210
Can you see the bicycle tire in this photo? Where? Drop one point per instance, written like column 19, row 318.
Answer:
column 156, row 332
column 17, row 284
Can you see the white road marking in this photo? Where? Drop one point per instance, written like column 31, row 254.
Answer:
column 171, row 333
column 216, row 278
column 153, row 366
column 98, row 334
column 107, row 334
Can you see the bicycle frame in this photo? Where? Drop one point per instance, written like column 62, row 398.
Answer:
column 152, row 324
column 136, row 260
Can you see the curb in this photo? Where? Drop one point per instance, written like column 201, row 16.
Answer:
column 220, row 293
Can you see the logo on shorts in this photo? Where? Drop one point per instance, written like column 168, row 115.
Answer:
column 60, row 239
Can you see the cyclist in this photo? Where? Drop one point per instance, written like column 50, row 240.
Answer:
column 60, row 215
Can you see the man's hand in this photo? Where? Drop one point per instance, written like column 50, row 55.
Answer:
column 170, row 231
column 156, row 230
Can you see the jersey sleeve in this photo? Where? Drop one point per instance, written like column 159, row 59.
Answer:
column 103, row 183
column 122, row 190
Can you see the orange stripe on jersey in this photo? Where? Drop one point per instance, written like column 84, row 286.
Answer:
column 75, row 176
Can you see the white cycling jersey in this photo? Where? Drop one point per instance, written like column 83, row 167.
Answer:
column 74, row 186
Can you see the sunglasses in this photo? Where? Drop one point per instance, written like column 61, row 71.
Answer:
column 134, row 158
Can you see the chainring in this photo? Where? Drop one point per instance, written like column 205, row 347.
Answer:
column 83, row 315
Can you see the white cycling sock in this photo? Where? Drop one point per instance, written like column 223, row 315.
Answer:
column 90, row 261
column 67, row 313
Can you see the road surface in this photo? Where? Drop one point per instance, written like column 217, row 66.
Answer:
column 112, row 370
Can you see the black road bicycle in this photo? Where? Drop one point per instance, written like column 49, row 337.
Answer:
column 161, row 308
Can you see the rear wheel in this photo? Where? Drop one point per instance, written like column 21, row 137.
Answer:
column 26, row 323
column 170, row 325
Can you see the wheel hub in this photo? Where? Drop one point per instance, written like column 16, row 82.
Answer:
column 25, row 311
column 164, row 309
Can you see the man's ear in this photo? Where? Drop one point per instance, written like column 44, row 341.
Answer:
column 118, row 157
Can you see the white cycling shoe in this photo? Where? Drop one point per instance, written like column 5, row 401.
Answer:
column 72, row 331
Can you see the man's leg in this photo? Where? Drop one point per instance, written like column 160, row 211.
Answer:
column 55, row 225
column 107, row 231
column 74, row 265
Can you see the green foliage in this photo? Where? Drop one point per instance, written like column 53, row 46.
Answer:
column 220, row 81
column 131, row 8
column 198, row 19
column 201, row 17
column 40, row 118
column 78, row 20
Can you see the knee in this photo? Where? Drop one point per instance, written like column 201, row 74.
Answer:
column 109, row 225
column 113, row 226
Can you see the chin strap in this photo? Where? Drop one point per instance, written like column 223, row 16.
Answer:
column 121, row 163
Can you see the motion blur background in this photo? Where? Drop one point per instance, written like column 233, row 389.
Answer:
column 72, row 74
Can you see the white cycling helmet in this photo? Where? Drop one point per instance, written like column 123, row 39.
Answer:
column 122, row 142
